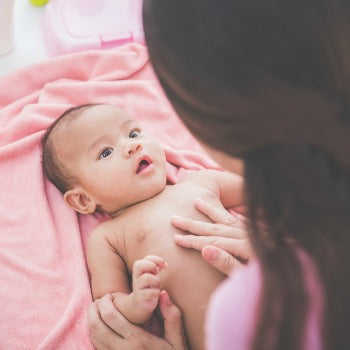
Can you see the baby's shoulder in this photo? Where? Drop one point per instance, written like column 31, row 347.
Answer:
column 106, row 229
column 106, row 235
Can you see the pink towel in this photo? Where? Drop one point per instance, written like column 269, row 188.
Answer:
column 44, row 283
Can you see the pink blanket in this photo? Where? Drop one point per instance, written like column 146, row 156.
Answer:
column 44, row 283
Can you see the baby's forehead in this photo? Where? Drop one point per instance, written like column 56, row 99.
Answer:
column 91, row 118
column 104, row 113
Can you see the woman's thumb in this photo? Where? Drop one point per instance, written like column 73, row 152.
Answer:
column 173, row 330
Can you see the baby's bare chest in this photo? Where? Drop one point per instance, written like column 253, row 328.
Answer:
column 147, row 228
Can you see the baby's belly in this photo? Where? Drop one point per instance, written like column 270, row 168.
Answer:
column 188, row 279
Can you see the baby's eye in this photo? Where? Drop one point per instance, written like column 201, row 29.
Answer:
column 105, row 153
column 134, row 133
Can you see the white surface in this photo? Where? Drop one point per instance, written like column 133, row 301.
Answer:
column 29, row 43
column 6, row 25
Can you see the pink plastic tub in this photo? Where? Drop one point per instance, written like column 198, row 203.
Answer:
column 76, row 25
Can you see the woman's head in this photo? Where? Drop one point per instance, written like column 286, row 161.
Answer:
column 269, row 81
column 246, row 75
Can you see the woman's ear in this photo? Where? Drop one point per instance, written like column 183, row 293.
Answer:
column 80, row 201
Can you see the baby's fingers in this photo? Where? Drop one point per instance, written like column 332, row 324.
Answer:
column 150, row 264
column 148, row 280
column 157, row 260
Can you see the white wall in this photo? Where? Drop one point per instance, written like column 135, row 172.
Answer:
column 29, row 45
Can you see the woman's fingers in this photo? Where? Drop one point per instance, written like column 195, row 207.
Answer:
column 173, row 329
column 111, row 317
column 201, row 228
column 102, row 336
column 223, row 242
column 216, row 213
column 110, row 330
column 219, row 214
column 96, row 331
column 240, row 248
column 199, row 242
column 220, row 259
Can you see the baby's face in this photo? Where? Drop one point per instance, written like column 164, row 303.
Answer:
column 113, row 159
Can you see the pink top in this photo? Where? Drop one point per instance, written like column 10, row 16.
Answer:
column 233, row 309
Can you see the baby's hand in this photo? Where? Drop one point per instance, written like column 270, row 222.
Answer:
column 146, row 282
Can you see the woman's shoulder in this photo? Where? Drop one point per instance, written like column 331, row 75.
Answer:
column 233, row 310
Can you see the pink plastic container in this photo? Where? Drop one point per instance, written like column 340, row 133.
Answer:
column 76, row 25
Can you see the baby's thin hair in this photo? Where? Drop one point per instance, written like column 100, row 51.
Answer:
column 52, row 167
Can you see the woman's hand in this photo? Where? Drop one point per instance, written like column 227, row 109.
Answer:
column 109, row 330
column 224, row 242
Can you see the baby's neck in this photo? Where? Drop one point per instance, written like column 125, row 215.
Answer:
column 119, row 211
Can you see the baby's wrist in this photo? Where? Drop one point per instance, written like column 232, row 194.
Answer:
column 141, row 314
column 143, row 309
column 127, row 305
column 138, row 302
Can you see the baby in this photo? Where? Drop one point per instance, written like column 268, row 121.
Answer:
column 101, row 160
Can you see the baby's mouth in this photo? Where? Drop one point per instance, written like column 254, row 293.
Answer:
column 143, row 163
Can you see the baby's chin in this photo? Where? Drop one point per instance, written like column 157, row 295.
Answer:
column 151, row 192
column 156, row 191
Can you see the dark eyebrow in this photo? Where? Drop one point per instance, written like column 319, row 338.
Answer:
column 127, row 122
column 97, row 142
column 124, row 124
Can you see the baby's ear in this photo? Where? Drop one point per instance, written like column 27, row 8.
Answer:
column 80, row 201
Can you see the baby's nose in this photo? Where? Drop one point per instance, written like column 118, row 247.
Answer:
column 132, row 147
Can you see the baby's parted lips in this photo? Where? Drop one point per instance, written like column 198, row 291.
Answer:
column 144, row 162
column 143, row 165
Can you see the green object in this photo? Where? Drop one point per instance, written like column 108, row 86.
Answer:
column 38, row 2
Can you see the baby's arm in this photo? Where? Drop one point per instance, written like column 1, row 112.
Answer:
column 109, row 275
column 231, row 188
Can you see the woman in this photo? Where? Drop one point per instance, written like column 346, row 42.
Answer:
column 268, row 81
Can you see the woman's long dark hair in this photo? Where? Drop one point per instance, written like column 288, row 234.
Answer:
column 269, row 81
